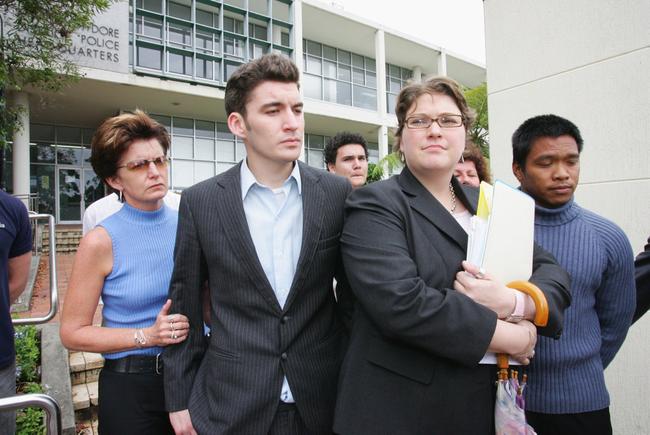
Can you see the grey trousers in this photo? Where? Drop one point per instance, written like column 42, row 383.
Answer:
column 7, row 389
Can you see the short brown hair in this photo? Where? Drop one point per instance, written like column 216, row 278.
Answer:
column 114, row 137
column 435, row 85
column 270, row 67
column 474, row 155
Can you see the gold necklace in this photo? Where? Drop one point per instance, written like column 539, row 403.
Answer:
column 453, row 198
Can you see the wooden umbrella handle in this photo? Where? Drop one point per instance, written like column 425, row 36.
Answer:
column 541, row 311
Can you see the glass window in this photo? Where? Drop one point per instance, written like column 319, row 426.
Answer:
column 40, row 132
column 150, row 57
column 344, row 73
column 184, row 126
column 313, row 65
column 233, row 24
column 41, row 153
column 393, row 71
column 44, row 186
column 239, row 3
column 329, row 69
column 178, row 10
column 391, row 99
column 205, row 149
column 358, row 77
column 226, row 150
column 311, row 86
column 285, row 39
column 315, row 158
column 233, row 46
column 370, row 64
column 207, row 16
column 150, row 5
column 204, row 68
column 204, row 128
column 203, row 171
column 257, row 50
column 164, row 120
column 329, row 52
column 240, row 151
column 207, row 42
column 230, row 68
column 371, row 80
column 365, row 98
column 280, row 10
column 182, row 147
column 344, row 57
column 313, row 48
column 180, row 64
column 357, row 60
column 87, row 135
column 316, row 141
column 182, row 173
column 150, row 28
column 179, row 35
column 344, row 93
column 68, row 135
column 68, row 155
column 258, row 6
column 258, row 31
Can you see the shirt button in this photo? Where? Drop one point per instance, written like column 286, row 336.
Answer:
column 284, row 356
column 284, row 319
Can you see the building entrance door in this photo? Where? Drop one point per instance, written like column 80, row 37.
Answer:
column 69, row 200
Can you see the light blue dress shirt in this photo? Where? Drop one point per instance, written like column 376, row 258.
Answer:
column 274, row 218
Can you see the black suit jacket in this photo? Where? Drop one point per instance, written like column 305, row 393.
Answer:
column 232, row 384
column 412, row 363
column 642, row 275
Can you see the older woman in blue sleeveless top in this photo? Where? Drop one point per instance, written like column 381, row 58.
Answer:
column 128, row 261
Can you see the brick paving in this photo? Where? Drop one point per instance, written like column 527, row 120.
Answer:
column 40, row 302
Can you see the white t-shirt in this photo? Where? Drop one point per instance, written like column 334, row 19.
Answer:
column 103, row 208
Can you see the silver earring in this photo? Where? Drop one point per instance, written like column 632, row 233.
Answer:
column 462, row 159
column 120, row 196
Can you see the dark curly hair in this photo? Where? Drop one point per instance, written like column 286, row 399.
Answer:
column 340, row 139
column 474, row 155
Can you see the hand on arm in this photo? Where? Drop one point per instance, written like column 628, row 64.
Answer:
column 516, row 339
column 490, row 293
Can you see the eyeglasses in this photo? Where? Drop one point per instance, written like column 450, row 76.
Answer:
column 142, row 165
column 446, row 120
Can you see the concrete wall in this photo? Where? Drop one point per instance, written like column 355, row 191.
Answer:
column 589, row 62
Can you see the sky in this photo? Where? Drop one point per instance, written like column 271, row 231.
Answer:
column 456, row 25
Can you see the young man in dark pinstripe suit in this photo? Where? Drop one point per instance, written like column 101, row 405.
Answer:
column 265, row 236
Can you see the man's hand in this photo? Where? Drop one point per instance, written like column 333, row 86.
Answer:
column 182, row 423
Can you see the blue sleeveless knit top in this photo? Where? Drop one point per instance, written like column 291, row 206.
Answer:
column 143, row 260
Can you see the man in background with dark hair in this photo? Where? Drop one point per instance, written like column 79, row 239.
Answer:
column 265, row 236
column 346, row 154
column 15, row 259
column 567, row 392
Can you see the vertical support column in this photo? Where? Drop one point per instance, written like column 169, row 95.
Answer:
column 21, row 146
column 380, row 56
column 382, row 141
column 442, row 63
column 417, row 74
column 296, row 13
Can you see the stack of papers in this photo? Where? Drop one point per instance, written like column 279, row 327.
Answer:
column 501, row 236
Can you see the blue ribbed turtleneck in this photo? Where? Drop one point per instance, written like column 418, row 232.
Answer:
column 136, row 289
column 566, row 375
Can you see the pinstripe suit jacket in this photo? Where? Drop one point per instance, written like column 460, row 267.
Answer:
column 232, row 384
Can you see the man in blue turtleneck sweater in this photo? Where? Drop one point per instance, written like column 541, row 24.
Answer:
column 567, row 392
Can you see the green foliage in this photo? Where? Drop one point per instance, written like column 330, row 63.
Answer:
column 27, row 354
column 386, row 165
column 29, row 421
column 479, row 134
column 34, row 36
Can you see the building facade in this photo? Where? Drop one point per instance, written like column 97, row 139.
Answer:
column 172, row 58
column 590, row 65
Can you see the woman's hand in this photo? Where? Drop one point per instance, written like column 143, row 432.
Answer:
column 485, row 290
column 168, row 329
column 528, row 351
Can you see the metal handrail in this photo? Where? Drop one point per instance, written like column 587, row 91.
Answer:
column 54, row 293
column 43, row 401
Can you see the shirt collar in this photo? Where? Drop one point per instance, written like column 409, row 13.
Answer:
column 248, row 179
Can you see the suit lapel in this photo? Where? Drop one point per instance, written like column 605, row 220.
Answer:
column 424, row 203
column 233, row 218
column 312, row 219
